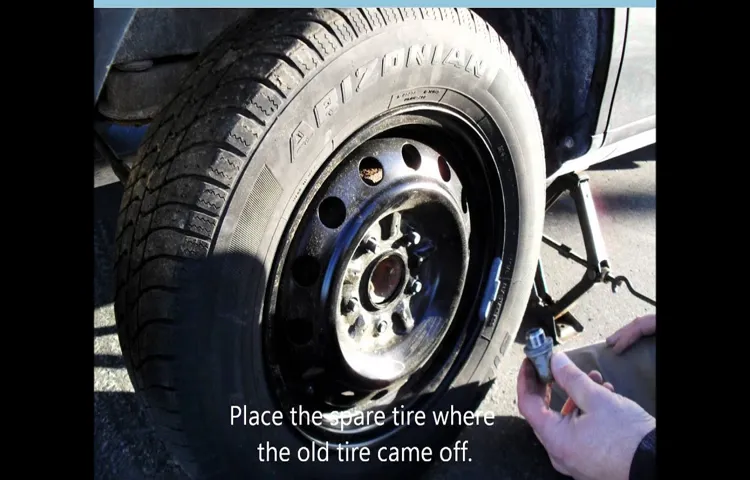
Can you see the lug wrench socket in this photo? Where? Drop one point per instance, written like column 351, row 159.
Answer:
column 538, row 349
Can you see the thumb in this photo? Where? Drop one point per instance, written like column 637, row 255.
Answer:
column 578, row 385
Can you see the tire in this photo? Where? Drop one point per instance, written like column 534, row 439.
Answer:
column 218, row 177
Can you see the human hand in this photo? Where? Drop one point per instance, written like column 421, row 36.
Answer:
column 632, row 332
column 570, row 406
column 596, row 444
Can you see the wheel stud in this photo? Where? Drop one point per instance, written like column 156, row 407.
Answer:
column 371, row 244
column 412, row 238
column 416, row 260
column 351, row 304
column 417, row 256
column 414, row 286
column 381, row 327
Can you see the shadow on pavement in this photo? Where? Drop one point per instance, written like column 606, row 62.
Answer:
column 108, row 361
column 106, row 207
column 608, row 203
column 126, row 446
column 629, row 160
column 102, row 331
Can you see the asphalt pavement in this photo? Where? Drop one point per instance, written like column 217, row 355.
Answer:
column 624, row 191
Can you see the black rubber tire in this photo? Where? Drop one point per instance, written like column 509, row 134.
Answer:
column 217, row 176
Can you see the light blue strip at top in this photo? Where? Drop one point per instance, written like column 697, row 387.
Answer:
column 370, row 3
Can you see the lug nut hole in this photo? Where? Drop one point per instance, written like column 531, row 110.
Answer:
column 299, row 331
column 399, row 326
column 411, row 155
column 371, row 171
column 305, row 270
column 357, row 327
column 445, row 170
column 332, row 212
column 380, row 395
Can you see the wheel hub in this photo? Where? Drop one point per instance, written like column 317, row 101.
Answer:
column 379, row 271
column 385, row 279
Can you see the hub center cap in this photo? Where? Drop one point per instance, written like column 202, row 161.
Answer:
column 387, row 276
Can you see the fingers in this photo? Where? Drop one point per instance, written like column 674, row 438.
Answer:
column 630, row 333
column 626, row 339
column 528, row 380
column 547, row 395
column 647, row 324
column 569, row 406
column 596, row 376
column 583, row 391
column 612, row 339
column 622, row 331
column 533, row 400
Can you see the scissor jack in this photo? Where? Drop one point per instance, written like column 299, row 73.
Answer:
column 554, row 315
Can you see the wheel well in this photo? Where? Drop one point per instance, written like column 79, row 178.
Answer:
column 156, row 51
column 564, row 54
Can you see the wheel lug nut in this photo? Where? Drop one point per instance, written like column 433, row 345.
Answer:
column 412, row 238
column 414, row 286
column 351, row 304
column 416, row 260
column 371, row 244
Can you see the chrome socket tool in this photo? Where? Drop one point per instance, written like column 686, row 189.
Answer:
column 538, row 349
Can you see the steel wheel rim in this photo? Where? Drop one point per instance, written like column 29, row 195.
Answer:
column 364, row 390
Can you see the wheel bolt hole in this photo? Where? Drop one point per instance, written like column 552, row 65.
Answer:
column 299, row 331
column 355, row 330
column 399, row 325
column 305, row 270
column 380, row 395
column 411, row 155
column 371, row 171
column 445, row 170
column 332, row 212
column 464, row 201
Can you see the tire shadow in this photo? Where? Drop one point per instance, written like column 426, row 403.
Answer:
column 126, row 445
column 106, row 207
